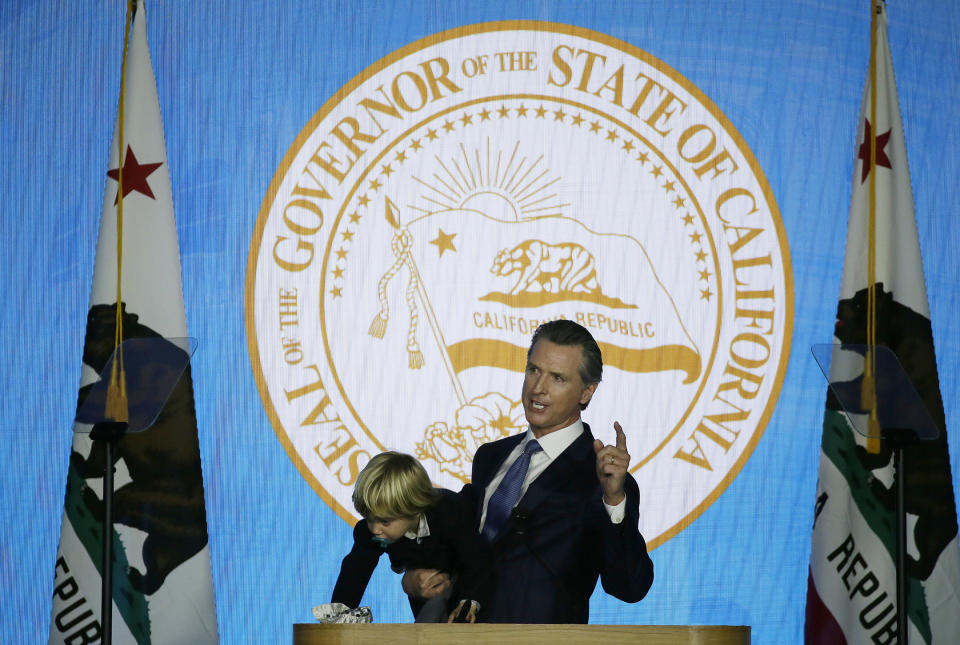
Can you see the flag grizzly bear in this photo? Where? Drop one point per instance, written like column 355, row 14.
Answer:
column 164, row 496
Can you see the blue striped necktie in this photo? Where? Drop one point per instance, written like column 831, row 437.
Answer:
column 508, row 492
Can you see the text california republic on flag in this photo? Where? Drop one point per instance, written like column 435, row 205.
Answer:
column 162, row 583
column 851, row 593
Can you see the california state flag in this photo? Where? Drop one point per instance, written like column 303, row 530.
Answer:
column 162, row 585
column 852, row 591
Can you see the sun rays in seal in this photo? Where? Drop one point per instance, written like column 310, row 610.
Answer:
column 507, row 183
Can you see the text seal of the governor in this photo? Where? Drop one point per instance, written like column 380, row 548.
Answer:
column 489, row 178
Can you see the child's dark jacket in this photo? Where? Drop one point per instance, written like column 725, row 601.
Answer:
column 453, row 546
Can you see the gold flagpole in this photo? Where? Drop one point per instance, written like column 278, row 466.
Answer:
column 116, row 404
column 868, row 393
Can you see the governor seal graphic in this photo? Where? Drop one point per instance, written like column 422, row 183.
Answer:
column 486, row 179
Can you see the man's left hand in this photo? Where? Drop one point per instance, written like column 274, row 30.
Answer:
column 612, row 464
column 424, row 584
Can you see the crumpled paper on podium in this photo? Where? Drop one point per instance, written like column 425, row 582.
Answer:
column 339, row 613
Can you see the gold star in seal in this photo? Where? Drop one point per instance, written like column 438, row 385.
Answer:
column 444, row 242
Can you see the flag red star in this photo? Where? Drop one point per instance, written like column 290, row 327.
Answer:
column 881, row 142
column 134, row 176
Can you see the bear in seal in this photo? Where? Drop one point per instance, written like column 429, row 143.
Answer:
column 548, row 268
column 164, row 498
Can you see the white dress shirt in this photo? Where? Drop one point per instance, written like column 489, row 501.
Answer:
column 552, row 443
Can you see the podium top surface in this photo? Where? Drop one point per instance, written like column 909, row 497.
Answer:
column 498, row 634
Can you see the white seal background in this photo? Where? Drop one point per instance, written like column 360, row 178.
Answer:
column 625, row 189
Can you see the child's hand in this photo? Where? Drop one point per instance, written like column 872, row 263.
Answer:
column 471, row 614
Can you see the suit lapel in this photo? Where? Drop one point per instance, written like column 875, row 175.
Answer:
column 499, row 450
column 559, row 474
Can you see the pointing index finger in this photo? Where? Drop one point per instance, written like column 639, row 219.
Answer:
column 621, row 437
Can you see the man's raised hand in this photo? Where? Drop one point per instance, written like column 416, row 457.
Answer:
column 612, row 464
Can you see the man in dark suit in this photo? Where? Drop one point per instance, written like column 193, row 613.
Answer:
column 557, row 506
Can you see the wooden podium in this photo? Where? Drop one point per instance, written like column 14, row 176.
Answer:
column 500, row 634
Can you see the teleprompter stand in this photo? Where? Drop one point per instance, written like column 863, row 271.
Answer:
column 151, row 368
column 896, row 415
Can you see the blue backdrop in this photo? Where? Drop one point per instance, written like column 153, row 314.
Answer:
column 237, row 82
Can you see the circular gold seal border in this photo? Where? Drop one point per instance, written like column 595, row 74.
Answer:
column 362, row 176
column 536, row 26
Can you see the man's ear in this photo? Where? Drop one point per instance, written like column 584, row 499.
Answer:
column 588, row 393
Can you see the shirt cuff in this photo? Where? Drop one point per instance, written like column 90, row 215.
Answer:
column 617, row 512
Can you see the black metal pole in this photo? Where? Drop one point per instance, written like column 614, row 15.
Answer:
column 899, row 452
column 106, row 589
column 109, row 432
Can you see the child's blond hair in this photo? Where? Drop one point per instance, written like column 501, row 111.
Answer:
column 391, row 485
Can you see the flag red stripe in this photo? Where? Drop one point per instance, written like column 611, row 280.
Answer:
column 820, row 627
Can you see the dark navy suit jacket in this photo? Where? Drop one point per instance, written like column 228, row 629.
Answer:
column 560, row 539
